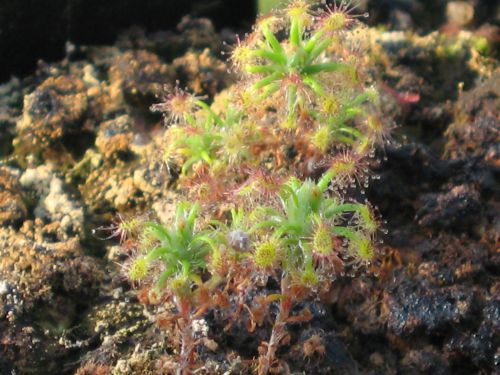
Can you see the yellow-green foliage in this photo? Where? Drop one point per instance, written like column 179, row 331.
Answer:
column 299, row 90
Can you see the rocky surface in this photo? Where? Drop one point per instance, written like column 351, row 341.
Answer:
column 86, row 147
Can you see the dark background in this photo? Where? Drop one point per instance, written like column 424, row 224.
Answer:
column 38, row 29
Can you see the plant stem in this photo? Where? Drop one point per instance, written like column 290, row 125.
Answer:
column 187, row 340
column 278, row 332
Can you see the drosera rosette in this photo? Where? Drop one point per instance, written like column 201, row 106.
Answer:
column 218, row 136
column 177, row 262
column 209, row 189
column 192, row 146
column 346, row 170
column 268, row 253
column 290, row 68
column 326, row 250
column 342, row 121
column 379, row 131
column 338, row 17
column 122, row 228
column 260, row 186
column 306, row 221
column 311, row 237
column 177, row 105
column 180, row 249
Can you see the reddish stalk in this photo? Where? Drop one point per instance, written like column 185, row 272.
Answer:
column 277, row 334
column 188, row 342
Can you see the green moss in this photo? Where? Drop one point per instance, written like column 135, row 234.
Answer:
column 265, row 6
column 482, row 45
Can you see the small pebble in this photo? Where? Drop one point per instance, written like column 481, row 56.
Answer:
column 376, row 359
column 459, row 13
column 4, row 288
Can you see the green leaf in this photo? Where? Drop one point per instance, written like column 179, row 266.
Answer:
column 271, row 39
column 295, row 32
column 266, row 81
column 323, row 68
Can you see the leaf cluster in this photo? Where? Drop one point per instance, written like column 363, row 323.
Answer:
column 300, row 110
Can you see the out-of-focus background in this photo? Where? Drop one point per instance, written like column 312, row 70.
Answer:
column 38, row 29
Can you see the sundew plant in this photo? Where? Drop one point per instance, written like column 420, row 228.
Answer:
column 266, row 167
